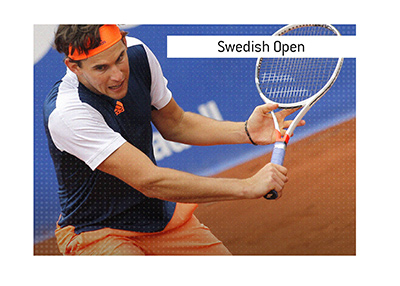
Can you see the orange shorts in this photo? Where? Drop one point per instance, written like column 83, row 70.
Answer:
column 184, row 235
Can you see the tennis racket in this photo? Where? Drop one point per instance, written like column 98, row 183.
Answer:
column 295, row 83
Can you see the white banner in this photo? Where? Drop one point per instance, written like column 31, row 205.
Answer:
column 261, row 46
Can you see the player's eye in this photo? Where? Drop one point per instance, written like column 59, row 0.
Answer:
column 100, row 68
column 121, row 57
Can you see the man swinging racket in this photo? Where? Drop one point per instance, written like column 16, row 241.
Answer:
column 114, row 199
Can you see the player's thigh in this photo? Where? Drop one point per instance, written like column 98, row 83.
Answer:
column 192, row 238
column 112, row 245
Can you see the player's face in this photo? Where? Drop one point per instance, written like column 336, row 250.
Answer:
column 107, row 72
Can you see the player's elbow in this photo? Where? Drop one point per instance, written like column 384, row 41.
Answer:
column 151, row 184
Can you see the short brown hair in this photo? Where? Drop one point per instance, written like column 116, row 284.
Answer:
column 80, row 37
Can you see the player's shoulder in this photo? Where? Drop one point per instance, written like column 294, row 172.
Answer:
column 131, row 41
column 139, row 54
column 59, row 94
column 137, row 48
column 66, row 104
column 67, row 92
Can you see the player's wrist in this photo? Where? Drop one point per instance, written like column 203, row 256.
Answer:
column 246, row 129
column 247, row 189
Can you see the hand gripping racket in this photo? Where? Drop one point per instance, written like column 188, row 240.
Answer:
column 295, row 83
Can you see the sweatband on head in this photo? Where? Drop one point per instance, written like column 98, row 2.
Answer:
column 109, row 35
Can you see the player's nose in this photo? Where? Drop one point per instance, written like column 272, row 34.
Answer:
column 116, row 74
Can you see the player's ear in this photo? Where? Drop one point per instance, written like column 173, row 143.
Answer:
column 73, row 66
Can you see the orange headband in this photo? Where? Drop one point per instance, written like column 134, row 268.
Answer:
column 109, row 35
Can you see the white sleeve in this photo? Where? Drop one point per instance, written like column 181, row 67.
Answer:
column 84, row 134
column 160, row 94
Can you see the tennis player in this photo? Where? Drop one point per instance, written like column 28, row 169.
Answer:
column 114, row 199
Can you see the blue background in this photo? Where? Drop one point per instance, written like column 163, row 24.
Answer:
column 228, row 82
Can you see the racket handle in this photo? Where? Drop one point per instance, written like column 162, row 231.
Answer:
column 278, row 155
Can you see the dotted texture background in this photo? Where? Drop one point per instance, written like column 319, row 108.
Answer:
column 228, row 82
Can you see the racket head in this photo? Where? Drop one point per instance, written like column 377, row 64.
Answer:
column 296, row 82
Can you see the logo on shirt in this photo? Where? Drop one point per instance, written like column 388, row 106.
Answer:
column 119, row 108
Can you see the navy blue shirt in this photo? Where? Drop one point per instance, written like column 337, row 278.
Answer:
column 83, row 128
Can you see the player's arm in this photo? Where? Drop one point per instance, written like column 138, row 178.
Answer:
column 134, row 168
column 176, row 125
column 185, row 127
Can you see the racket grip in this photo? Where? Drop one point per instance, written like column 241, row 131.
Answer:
column 278, row 155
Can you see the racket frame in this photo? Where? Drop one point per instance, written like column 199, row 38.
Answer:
column 307, row 103
column 281, row 142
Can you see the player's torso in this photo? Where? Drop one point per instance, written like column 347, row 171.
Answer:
column 92, row 199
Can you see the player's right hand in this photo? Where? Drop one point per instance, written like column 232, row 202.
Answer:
column 270, row 177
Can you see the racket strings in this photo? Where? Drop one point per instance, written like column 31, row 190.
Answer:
column 291, row 80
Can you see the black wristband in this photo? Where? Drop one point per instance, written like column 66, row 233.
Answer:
column 248, row 134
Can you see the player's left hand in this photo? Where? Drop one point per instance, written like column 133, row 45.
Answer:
column 261, row 125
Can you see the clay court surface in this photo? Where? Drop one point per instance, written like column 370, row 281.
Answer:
column 315, row 216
